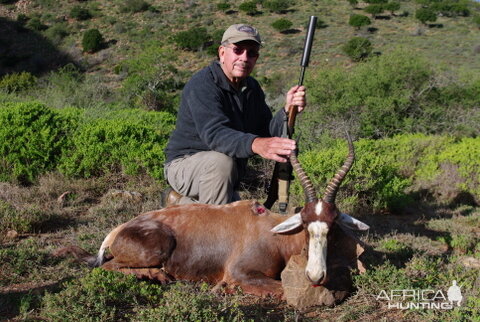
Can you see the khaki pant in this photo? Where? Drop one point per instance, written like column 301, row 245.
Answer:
column 205, row 177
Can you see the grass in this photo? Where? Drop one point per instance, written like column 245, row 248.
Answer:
column 37, row 285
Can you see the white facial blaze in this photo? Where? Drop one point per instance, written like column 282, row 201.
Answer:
column 319, row 208
column 317, row 251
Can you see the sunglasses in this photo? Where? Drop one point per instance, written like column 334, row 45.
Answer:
column 251, row 53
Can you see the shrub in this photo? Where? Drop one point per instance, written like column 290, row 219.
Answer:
column 278, row 6
column 451, row 9
column 375, row 183
column 117, row 146
column 282, row 24
column 383, row 96
column 134, row 6
column 249, row 7
column 57, row 32
column 17, row 82
column 353, row 3
column 193, row 39
column 80, row 13
column 22, row 18
column 32, row 139
column 476, row 20
column 223, row 6
column 374, row 9
column 425, row 15
column 99, row 296
column 151, row 80
column 36, row 24
column 376, row 1
column 104, row 295
column 92, row 41
column 358, row 48
column 392, row 6
column 359, row 21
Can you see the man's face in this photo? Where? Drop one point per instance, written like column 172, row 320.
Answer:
column 238, row 60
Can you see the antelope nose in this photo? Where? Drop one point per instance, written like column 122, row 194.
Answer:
column 316, row 279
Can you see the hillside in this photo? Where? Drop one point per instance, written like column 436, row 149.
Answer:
column 449, row 43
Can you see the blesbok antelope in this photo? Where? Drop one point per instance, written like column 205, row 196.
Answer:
column 238, row 244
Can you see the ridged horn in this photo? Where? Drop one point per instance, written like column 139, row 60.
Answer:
column 332, row 188
column 309, row 190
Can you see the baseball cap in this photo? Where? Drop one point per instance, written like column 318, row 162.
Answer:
column 240, row 32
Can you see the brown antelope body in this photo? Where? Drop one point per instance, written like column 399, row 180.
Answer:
column 238, row 244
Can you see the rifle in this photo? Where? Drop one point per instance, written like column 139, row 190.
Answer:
column 282, row 173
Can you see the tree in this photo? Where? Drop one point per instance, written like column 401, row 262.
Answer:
column 359, row 21
column 92, row 41
column 374, row 9
column 392, row 7
column 357, row 48
column 425, row 15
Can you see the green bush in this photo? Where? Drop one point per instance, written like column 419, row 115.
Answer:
column 425, row 15
column 57, row 32
column 392, row 6
column 117, row 146
column 99, row 296
column 32, row 139
column 223, row 6
column 193, row 39
column 22, row 18
column 383, row 96
column 476, row 20
column 151, row 80
column 17, row 82
column 389, row 174
column 449, row 9
column 249, row 7
column 374, row 9
column 80, row 13
column 134, row 6
column 282, row 24
column 109, row 296
column 359, row 21
column 353, row 3
column 375, row 183
column 36, row 24
column 278, row 6
column 358, row 48
column 92, row 41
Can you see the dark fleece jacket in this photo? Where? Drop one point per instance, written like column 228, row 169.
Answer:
column 215, row 116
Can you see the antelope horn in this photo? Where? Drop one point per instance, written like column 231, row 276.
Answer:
column 332, row 188
column 310, row 194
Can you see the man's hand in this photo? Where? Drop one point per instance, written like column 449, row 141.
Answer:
column 273, row 148
column 296, row 97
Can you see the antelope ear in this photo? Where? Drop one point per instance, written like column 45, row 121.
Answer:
column 351, row 223
column 288, row 225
